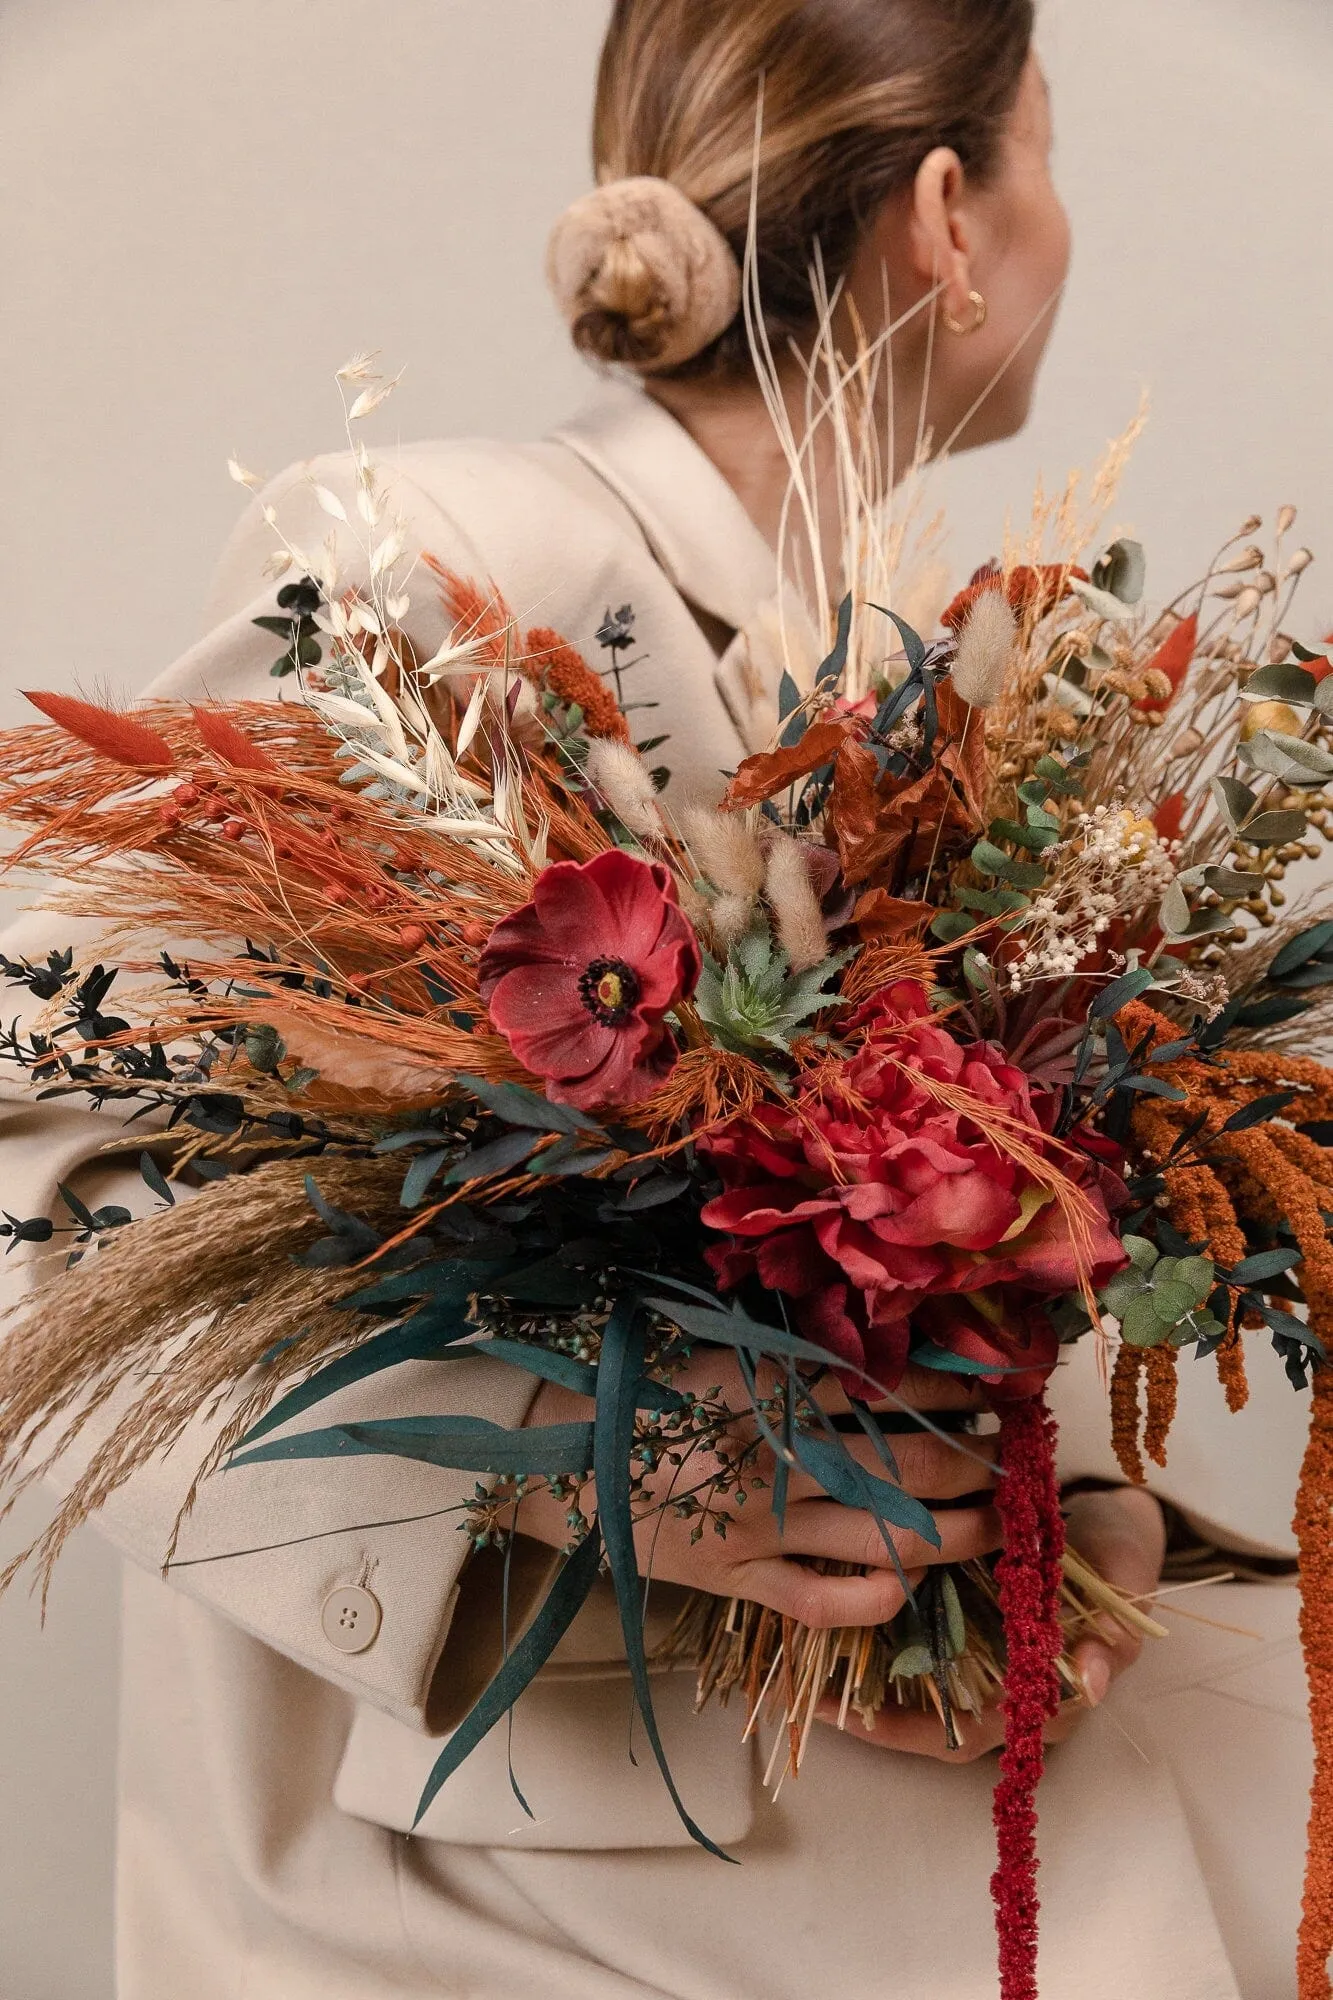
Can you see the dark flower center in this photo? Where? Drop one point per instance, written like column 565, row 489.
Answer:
column 609, row 989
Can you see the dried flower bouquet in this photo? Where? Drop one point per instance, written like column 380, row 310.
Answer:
column 969, row 1025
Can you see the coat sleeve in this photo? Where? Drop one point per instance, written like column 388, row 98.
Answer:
column 268, row 1546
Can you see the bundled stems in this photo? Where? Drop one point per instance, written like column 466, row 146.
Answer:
column 1029, row 1574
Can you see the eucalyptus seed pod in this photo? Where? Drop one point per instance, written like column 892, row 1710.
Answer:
column 1286, row 519
column 1248, row 601
column 1274, row 715
column 1265, row 583
column 1250, row 558
column 1300, row 562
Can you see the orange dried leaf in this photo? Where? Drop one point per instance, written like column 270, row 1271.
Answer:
column 771, row 771
column 883, row 917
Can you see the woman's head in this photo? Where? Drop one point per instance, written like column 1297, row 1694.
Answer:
column 907, row 138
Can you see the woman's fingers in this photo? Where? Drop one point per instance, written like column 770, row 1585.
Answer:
column 822, row 1602
column 1122, row 1535
column 823, row 1528
column 920, row 1389
column 929, row 1467
column 918, row 1732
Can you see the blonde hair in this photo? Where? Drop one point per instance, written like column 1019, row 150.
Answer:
column 856, row 93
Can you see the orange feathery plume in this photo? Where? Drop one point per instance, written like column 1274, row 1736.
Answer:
column 221, row 735
column 118, row 737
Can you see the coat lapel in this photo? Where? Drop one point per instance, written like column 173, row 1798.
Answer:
column 702, row 538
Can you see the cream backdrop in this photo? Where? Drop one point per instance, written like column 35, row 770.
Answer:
column 208, row 203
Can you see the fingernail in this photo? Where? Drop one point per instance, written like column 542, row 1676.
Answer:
column 1096, row 1678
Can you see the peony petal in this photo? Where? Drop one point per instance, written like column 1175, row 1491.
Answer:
column 968, row 1210
column 754, row 1211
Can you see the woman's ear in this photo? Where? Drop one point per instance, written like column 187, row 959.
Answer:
column 939, row 232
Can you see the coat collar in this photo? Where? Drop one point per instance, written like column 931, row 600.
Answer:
column 695, row 525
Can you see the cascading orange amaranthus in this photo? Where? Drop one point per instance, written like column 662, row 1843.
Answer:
column 1271, row 1175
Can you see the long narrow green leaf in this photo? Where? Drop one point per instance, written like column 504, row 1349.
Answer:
column 737, row 1329
column 561, row 1605
column 848, row 1482
column 623, row 1348
column 413, row 1342
column 449, row 1279
column 461, row 1444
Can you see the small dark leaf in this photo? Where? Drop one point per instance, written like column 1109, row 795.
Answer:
column 1260, row 1111
column 511, row 1149
column 514, row 1105
column 1264, row 1264
column 419, row 1177
column 1119, row 993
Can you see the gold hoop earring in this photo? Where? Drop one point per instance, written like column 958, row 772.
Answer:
column 980, row 310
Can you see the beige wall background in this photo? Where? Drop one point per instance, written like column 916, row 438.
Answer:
column 207, row 204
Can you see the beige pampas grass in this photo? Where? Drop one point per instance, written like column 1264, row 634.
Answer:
column 726, row 849
column 795, row 906
column 623, row 779
column 985, row 651
column 181, row 1306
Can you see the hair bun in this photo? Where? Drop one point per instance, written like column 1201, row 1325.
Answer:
column 642, row 275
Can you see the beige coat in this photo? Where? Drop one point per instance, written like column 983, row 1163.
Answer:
column 284, row 1689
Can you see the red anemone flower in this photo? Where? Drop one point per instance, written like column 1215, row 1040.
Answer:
column 580, row 980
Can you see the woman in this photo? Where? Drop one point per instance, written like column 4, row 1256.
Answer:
column 285, row 1689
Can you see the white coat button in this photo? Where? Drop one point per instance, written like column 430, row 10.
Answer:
column 351, row 1619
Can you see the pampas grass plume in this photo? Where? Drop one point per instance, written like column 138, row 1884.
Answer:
column 794, row 904
column 727, row 850
column 985, row 649
column 623, row 779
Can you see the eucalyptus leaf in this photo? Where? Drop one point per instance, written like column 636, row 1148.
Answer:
column 1300, row 950
column 514, row 1105
column 1123, row 570
column 1175, row 914
column 830, row 670
column 1101, row 602
column 1274, row 829
column 1120, row 992
column 497, row 1156
column 1263, row 1264
column 1141, row 1325
column 1234, row 800
column 1284, row 683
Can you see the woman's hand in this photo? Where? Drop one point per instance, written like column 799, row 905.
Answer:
column 1123, row 1536
column 755, row 1561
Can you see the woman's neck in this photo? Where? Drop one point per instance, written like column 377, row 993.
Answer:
column 731, row 424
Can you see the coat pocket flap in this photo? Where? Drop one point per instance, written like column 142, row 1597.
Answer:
column 571, row 1743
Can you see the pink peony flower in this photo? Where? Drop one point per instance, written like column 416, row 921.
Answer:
column 888, row 1216
column 580, row 980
